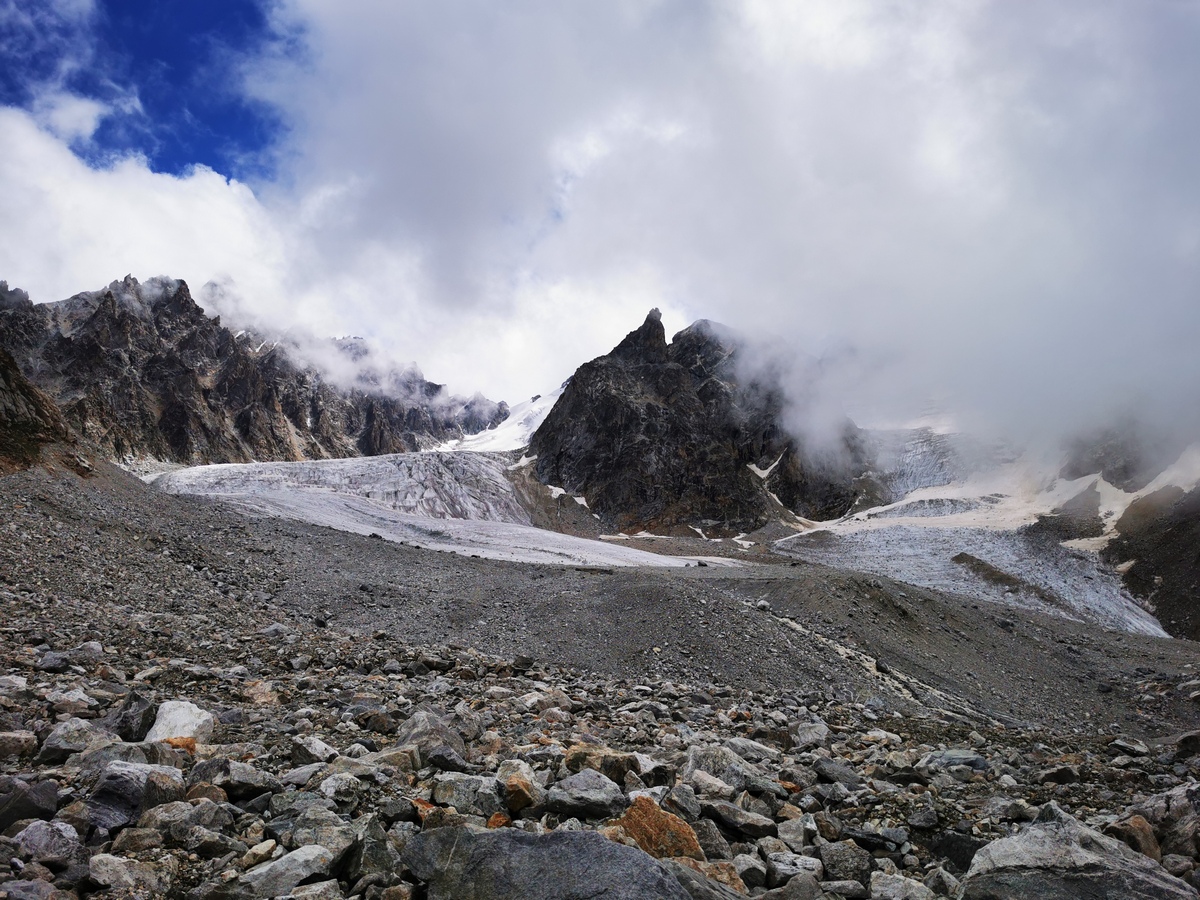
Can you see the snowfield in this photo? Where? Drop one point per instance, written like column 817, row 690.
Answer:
column 456, row 502
column 917, row 539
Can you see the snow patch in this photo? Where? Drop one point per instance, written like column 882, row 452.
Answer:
column 763, row 473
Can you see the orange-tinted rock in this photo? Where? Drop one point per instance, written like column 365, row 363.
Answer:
column 499, row 820
column 720, row 872
column 518, row 792
column 187, row 744
column 1138, row 834
column 205, row 791
column 658, row 832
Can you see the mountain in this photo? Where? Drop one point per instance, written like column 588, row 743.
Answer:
column 662, row 436
column 140, row 371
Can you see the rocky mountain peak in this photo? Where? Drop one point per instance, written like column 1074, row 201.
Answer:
column 647, row 344
column 668, row 436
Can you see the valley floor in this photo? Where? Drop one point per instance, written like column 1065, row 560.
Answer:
column 760, row 624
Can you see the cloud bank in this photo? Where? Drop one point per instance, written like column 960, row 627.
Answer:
column 986, row 208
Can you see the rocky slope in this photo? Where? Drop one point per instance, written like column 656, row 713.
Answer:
column 662, row 436
column 196, row 705
column 140, row 371
column 1157, row 548
column 28, row 418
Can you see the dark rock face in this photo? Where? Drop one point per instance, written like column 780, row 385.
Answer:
column 1128, row 455
column 28, row 418
column 507, row 865
column 139, row 370
column 1160, row 533
column 659, row 435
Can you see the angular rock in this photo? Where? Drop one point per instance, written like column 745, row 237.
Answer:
column 239, row 780
column 1175, row 818
column 721, row 763
column 751, row 869
column 279, row 877
column 373, row 853
column 474, row 795
column 845, row 861
column 712, row 842
column 658, row 832
column 133, row 719
column 181, row 719
column 71, row 737
column 1057, row 858
column 897, row 887
column 126, row 789
column 1138, row 835
column 53, row 844
column 307, row 749
column 17, row 743
column 428, row 731
column 587, row 794
column 734, row 818
column 317, row 826
column 782, row 867
column 128, row 876
column 800, row 887
column 21, row 800
column 459, row 864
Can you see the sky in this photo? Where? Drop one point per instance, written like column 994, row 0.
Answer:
column 983, row 208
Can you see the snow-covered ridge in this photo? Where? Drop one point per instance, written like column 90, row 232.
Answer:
column 514, row 433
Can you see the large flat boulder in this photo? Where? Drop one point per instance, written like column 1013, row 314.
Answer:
column 1058, row 858
column 460, row 864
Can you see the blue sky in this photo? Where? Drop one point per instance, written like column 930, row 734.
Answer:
column 978, row 205
column 177, row 58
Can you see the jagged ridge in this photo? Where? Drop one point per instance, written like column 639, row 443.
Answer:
column 141, row 371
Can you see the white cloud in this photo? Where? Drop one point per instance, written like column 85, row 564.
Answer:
column 68, row 116
column 996, row 204
column 78, row 227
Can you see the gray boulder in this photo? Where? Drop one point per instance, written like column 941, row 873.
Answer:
column 734, row 818
column 133, row 719
column 721, row 763
column 846, row 861
column 126, row 789
column 128, row 877
column 53, row 844
column 1057, row 858
column 588, row 795
column 1175, row 818
column 21, row 800
column 432, row 735
column 71, row 737
column 460, row 864
column 277, row 878
column 238, row 779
